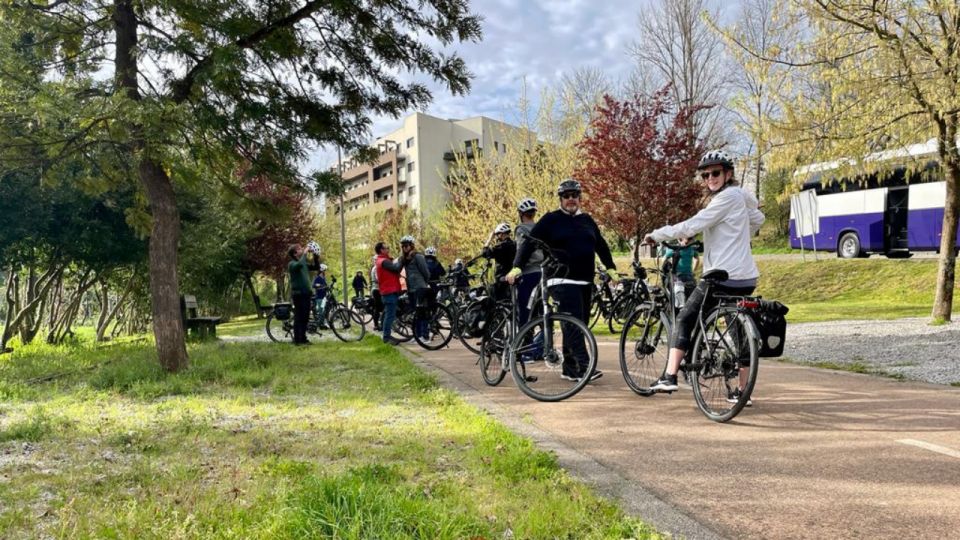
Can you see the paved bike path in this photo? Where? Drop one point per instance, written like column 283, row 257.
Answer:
column 821, row 453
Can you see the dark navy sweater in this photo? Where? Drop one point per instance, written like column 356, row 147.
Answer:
column 573, row 239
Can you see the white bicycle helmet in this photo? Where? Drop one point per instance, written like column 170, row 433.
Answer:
column 502, row 228
column 408, row 240
column 458, row 262
column 715, row 157
column 430, row 251
column 313, row 247
column 323, row 268
column 527, row 205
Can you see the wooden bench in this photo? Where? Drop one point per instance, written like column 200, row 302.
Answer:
column 200, row 327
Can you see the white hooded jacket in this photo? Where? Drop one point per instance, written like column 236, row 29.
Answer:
column 727, row 223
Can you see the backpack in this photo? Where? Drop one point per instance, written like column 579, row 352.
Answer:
column 772, row 324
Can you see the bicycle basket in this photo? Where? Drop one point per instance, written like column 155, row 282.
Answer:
column 282, row 311
column 772, row 323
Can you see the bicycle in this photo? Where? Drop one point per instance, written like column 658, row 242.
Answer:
column 537, row 355
column 440, row 324
column 615, row 308
column 346, row 324
column 725, row 340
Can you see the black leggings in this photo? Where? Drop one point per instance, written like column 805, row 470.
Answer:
column 687, row 319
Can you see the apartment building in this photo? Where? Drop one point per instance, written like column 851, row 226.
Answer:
column 415, row 160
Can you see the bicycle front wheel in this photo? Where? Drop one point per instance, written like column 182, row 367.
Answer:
column 279, row 331
column 644, row 346
column 493, row 345
column 346, row 324
column 620, row 311
column 724, row 363
column 553, row 357
column 439, row 328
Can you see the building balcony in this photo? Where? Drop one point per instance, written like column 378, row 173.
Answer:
column 467, row 153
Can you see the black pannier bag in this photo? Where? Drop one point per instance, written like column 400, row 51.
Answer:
column 282, row 311
column 770, row 320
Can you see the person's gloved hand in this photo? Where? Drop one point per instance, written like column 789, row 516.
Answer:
column 512, row 275
column 612, row 273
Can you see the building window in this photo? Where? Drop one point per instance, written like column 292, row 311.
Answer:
column 410, row 166
column 413, row 190
column 410, row 142
column 503, row 148
column 496, row 146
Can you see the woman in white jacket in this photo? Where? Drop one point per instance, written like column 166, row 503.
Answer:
column 727, row 222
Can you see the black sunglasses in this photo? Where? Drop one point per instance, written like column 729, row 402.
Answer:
column 570, row 195
column 714, row 174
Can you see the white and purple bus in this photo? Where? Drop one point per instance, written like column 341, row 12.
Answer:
column 857, row 216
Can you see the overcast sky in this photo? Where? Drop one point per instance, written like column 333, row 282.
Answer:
column 537, row 39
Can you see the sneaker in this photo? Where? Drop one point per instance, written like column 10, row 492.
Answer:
column 566, row 377
column 595, row 375
column 527, row 358
column 733, row 397
column 666, row 383
column 391, row 341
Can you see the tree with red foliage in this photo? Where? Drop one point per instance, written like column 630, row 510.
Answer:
column 639, row 160
column 285, row 218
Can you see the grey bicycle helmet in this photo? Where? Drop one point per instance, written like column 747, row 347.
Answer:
column 502, row 228
column 430, row 252
column 408, row 240
column 568, row 184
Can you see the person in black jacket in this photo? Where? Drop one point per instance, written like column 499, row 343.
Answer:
column 503, row 252
column 359, row 283
column 575, row 240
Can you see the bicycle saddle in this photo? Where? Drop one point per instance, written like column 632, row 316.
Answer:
column 716, row 276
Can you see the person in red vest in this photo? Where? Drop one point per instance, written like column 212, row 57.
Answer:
column 388, row 275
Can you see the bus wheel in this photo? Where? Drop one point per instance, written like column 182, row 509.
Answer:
column 849, row 246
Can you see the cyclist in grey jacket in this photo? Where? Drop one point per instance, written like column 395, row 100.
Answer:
column 728, row 220
column 530, row 273
column 418, row 283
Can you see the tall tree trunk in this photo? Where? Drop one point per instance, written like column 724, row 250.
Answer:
column 108, row 315
column 12, row 297
column 19, row 319
column 946, row 268
column 164, row 286
column 248, row 278
column 164, row 282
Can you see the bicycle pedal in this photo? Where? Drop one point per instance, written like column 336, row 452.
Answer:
column 530, row 378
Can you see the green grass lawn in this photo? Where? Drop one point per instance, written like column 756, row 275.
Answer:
column 247, row 325
column 258, row 440
column 836, row 289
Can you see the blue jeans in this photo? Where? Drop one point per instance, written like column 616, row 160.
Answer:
column 389, row 313
column 420, row 299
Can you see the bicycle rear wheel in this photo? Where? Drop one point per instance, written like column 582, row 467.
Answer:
column 728, row 345
column 493, row 344
column 346, row 324
column 644, row 346
column 440, row 328
column 402, row 329
column 279, row 331
column 620, row 310
column 552, row 373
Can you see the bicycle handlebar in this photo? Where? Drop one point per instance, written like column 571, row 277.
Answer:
column 675, row 246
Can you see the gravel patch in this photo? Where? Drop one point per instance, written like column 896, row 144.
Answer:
column 911, row 348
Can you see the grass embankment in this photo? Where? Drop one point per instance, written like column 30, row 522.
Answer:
column 258, row 440
column 837, row 289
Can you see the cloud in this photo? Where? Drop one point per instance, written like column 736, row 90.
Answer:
column 534, row 40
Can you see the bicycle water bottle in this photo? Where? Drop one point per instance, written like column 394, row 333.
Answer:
column 679, row 294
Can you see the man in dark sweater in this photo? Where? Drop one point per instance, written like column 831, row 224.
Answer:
column 299, row 268
column 575, row 241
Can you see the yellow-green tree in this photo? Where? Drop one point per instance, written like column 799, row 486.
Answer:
column 871, row 76
column 485, row 190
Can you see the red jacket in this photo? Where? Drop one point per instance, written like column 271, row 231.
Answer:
column 388, row 277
